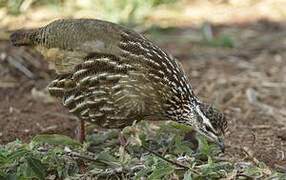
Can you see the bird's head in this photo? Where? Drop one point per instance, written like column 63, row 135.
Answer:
column 207, row 121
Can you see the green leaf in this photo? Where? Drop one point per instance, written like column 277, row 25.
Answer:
column 181, row 146
column 55, row 139
column 177, row 126
column 37, row 167
column 18, row 154
column 221, row 41
column 3, row 159
column 9, row 177
column 188, row 175
column 107, row 158
column 161, row 170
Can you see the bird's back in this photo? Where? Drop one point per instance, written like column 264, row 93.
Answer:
column 111, row 75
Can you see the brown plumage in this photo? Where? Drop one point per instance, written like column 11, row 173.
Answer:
column 112, row 76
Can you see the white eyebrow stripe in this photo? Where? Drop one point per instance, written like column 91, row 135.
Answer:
column 205, row 119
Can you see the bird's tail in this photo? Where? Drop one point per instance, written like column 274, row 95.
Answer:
column 24, row 37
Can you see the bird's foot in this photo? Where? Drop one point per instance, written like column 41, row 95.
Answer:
column 122, row 140
column 80, row 132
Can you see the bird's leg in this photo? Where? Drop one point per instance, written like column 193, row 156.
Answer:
column 81, row 131
column 122, row 140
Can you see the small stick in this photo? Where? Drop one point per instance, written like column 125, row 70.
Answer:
column 74, row 154
column 110, row 172
column 169, row 161
column 254, row 138
column 21, row 67
column 82, row 131
column 250, row 154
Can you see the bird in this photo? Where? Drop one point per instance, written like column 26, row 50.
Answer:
column 110, row 75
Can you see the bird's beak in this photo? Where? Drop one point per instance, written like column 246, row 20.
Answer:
column 215, row 139
column 220, row 143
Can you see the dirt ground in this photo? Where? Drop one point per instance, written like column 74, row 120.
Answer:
column 247, row 82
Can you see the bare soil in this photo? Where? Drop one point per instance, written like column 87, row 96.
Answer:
column 248, row 82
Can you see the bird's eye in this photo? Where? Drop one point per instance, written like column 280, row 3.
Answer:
column 208, row 128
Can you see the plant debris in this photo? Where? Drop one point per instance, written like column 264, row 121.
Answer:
column 164, row 154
